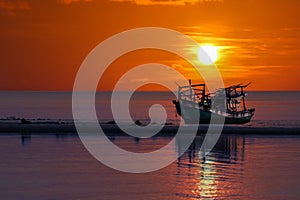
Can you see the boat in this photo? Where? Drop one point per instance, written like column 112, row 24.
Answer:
column 195, row 106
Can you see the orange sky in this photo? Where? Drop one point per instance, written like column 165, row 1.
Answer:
column 43, row 43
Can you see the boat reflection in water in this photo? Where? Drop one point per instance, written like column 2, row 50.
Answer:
column 216, row 175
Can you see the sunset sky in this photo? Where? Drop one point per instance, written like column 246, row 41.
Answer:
column 43, row 43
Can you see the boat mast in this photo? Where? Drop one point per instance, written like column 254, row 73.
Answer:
column 179, row 92
column 191, row 92
column 244, row 104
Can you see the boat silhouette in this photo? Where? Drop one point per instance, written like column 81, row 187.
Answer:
column 195, row 106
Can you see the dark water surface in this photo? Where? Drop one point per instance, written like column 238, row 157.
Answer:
column 59, row 167
column 240, row 167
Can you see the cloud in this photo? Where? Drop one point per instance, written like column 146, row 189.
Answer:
column 138, row 80
column 68, row 2
column 11, row 7
column 167, row 2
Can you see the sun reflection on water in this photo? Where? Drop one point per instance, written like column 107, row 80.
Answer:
column 215, row 176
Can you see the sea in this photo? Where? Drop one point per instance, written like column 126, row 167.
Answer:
column 58, row 166
column 273, row 109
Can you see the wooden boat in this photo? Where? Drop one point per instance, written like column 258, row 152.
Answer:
column 194, row 102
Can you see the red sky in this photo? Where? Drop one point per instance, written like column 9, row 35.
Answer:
column 43, row 43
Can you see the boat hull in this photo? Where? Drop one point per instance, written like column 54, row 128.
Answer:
column 190, row 115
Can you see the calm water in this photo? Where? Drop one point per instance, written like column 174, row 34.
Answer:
column 240, row 167
column 275, row 109
column 59, row 167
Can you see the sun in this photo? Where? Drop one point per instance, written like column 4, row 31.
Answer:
column 208, row 54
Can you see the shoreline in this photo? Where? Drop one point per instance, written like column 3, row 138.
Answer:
column 114, row 130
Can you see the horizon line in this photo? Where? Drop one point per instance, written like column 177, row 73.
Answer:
column 135, row 91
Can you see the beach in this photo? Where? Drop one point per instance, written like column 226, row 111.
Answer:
column 114, row 130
